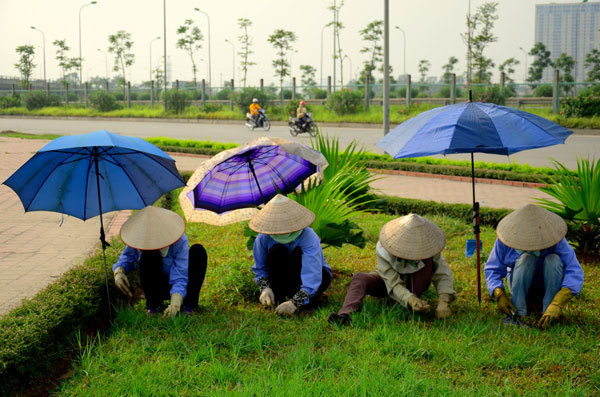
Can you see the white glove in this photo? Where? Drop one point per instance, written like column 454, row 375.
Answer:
column 418, row 305
column 122, row 282
column 267, row 298
column 175, row 306
column 287, row 308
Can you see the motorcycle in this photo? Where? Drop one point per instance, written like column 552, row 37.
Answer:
column 262, row 121
column 307, row 126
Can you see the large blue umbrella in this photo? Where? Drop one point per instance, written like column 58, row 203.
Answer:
column 472, row 127
column 89, row 174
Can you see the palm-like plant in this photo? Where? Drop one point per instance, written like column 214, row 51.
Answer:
column 579, row 202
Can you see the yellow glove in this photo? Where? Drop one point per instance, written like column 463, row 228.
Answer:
column 174, row 307
column 443, row 308
column 287, row 308
column 267, row 298
column 122, row 282
column 559, row 302
column 418, row 305
column 504, row 305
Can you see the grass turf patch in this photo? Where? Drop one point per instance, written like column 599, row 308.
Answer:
column 234, row 347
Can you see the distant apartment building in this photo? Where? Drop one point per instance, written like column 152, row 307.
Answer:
column 570, row 28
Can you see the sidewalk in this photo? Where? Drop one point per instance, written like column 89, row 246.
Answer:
column 34, row 250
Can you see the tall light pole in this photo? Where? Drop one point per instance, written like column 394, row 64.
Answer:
column 404, row 48
column 152, row 41
column 386, row 66
column 43, row 49
column 334, row 44
column 80, row 58
column 524, row 52
column 321, row 79
column 209, row 69
column 233, row 59
column 105, row 62
column 205, row 65
column 165, row 53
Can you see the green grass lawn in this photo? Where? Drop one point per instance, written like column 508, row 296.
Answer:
column 235, row 347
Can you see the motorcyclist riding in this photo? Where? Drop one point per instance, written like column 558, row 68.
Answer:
column 301, row 115
column 254, row 108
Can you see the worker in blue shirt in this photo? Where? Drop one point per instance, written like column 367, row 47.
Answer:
column 539, row 265
column 289, row 265
column 157, row 244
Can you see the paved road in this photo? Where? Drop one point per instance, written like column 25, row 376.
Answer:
column 576, row 145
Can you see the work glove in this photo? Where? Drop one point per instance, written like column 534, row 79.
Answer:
column 267, row 298
column 443, row 308
column 287, row 308
column 122, row 282
column 559, row 302
column 418, row 305
column 504, row 305
column 174, row 307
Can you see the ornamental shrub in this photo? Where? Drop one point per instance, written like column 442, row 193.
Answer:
column 291, row 106
column 9, row 101
column 345, row 101
column 177, row 101
column 543, row 90
column 243, row 98
column 103, row 101
column 581, row 106
column 39, row 99
column 489, row 93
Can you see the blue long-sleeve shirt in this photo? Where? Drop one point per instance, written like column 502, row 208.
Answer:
column 313, row 260
column 502, row 261
column 175, row 264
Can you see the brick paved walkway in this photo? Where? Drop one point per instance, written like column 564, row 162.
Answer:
column 34, row 250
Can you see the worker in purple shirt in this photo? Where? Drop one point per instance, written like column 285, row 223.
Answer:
column 169, row 268
column 289, row 265
column 540, row 267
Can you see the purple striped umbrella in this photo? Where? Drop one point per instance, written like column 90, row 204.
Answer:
column 246, row 177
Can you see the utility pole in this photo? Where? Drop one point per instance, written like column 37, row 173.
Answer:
column 386, row 66
column 334, row 45
column 165, row 51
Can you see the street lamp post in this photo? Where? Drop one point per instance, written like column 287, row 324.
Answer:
column 404, row 50
column 209, row 63
column 152, row 41
column 386, row 66
column 43, row 49
column 105, row 62
column 80, row 58
column 524, row 52
column 233, row 59
column 165, row 53
column 321, row 79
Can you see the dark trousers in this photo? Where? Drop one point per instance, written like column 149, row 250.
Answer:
column 156, row 285
column 284, row 269
column 372, row 284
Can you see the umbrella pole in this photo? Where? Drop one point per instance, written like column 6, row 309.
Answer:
column 476, row 230
column 102, row 235
column 255, row 178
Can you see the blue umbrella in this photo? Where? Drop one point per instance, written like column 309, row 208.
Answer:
column 89, row 174
column 472, row 127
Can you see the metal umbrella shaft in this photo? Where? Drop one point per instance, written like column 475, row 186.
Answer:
column 476, row 230
column 251, row 166
column 102, row 235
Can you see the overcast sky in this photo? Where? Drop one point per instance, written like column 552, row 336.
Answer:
column 432, row 29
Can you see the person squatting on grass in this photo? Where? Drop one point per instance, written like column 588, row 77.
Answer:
column 409, row 259
column 156, row 241
column 289, row 264
column 540, row 267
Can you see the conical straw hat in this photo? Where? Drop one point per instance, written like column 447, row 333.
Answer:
column 412, row 237
column 531, row 228
column 280, row 216
column 152, row 228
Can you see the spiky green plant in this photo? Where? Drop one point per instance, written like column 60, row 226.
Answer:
column 579, row 202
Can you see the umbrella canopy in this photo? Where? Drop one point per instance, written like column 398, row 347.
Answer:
column 228, row 187
column 62, row 176
column 471, row 127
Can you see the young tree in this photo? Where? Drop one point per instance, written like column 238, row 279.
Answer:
column 246, row 42
column 308, row 78
column 337, row 26
column 25, row 65
column 120, row 45
column 486, row 15
column 159, row 77
column 449, row 69
column 424, row 66
column 565, row 64
column 592, row 61
column 190, row 41
column 65, row 63
column 468, row 40
column 372, row 34
column 508, row 68
column 282, row 42
column 541, row 62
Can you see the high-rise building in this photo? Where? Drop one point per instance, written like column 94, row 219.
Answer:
column 570, row 28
